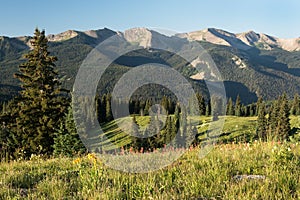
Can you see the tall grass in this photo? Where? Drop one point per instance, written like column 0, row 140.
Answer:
column 188, row 178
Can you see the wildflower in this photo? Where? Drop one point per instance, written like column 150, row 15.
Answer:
column 92, row 156
column 131, row 150
column 76, row 161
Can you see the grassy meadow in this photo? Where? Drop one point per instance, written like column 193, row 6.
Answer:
column 190, row 177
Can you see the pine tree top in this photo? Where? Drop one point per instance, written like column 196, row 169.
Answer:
column 38, row 75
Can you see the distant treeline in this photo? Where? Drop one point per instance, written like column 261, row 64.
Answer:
column 141, row 107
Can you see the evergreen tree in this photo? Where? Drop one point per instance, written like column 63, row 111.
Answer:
column 295, row 107
column 258, row 103
column 136, row 107
column 245, row 111
column 273, row 119
column 141, row 108
column 98, row 106
column 108, row 111
column 261, row 127
column 237, row 109
column 230, row 107
column 171, row 106
column 201, row 103
column 283, row 121
column 102, row 109
column 159, row 139
column 41, row 108
column 3, row 108
column 67, row 141
column 147, row 106
column 165, row 104
column 183, row 120
column 189, row 135
column 177, row 112
column 217, row 107
column 176, row 124
column 208, row 109
column 153, row 129
column 175, row 128
column 168, row 130
column 9, row 141
column 182, row 127
column 251, row 110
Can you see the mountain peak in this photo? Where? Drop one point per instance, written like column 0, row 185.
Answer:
column 100, row 34
column 220, row 31
column 249, row 37
column 250, row 32
column 62, row 36
column 142, row 36
column 91, row 33
column 243, row 40
column 216, row 36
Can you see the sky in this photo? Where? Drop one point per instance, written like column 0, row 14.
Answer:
column 274, row 17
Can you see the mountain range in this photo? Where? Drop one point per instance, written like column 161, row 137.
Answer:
column 251, row 64
column 244, row 40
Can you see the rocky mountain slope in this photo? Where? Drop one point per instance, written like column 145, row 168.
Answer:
column 244, row 40
column 251, row 64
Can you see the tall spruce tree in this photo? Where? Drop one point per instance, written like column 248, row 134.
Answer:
column 168, row 130
column 216, row 107
column 230, row 107
column 165, row 104
column 108, row 111
column 147, row 106
column 208, row 109
column 273, row 119
column 41, row 108
column 183, row 120
column 258, row 103
column 295, row 107
column 251, row 110
column 283, row 121
column 261, row 127
column 102, row 109
column 238, row 106
column 201, row 103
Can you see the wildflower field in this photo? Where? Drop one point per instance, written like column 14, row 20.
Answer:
column 189, row 177
column 219, row 175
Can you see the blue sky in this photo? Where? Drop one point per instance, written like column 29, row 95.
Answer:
column 275, row 17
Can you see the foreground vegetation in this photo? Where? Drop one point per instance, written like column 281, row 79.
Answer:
column 188, row 178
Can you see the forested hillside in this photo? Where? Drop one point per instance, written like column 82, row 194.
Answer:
column 249, row 72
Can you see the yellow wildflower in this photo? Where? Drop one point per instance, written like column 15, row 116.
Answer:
column 92, row 157
column 76, row 161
